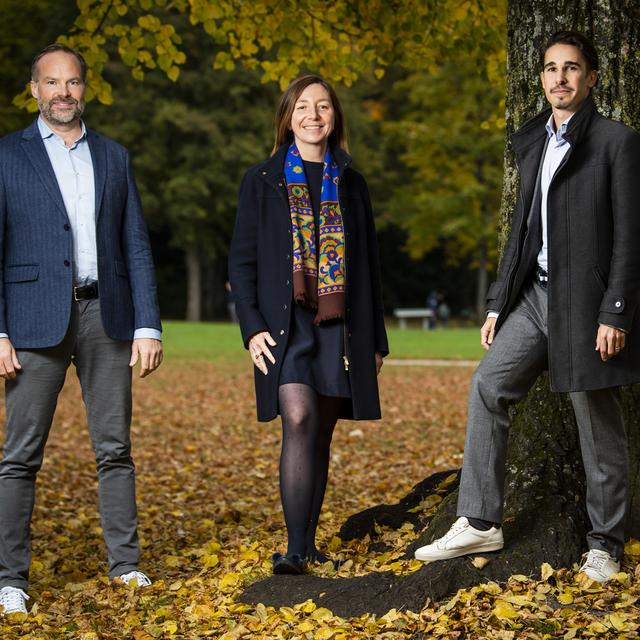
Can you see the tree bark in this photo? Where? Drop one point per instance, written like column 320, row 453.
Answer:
column 194, row 284
column 545, row 518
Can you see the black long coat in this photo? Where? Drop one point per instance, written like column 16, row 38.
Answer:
column 593, row 246
column 260, row 273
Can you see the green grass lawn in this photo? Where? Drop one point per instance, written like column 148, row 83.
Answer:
column 221, row 341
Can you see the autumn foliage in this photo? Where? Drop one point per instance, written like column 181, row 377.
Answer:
column 210, row 519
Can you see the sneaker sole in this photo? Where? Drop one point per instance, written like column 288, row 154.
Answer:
column 447, row 554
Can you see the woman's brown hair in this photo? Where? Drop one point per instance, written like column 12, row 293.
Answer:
column 287, row 103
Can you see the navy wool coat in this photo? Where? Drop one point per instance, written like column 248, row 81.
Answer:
column 36, row 245
column 260, row 273
column 593, row 247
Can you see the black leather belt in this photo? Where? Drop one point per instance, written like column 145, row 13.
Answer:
column 86, row 292
column 541, row 276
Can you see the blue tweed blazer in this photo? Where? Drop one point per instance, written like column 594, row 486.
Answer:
column 36, row 245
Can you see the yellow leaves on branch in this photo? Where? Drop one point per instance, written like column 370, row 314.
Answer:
column 339, row 40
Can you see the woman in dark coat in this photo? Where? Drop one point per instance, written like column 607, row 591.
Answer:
column 304, row 271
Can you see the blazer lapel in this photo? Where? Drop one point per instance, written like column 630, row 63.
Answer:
column 34, row 148
column 99, row 160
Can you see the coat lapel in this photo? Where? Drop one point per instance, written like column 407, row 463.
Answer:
column 99, row 160
column 34, row 148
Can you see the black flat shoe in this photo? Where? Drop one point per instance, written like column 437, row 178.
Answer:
column 288, row 565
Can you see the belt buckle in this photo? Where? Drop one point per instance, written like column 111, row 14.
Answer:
column 75, row 294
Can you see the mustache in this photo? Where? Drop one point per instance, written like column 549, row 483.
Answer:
column 64, row 101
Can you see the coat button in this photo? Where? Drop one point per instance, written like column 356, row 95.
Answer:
column 66, row 263
column 264, row 173
column 66, row 227
column 279, row 184
column 287, row 282
column 618, row 304
column 288, row 255
column 281, row 332
column 284, row 306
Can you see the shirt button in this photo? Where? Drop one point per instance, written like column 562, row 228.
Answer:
column 66, row 263
column 618, row 304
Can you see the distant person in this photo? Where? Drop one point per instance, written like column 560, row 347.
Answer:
column 432, row 305
column 443, row 313
column 78, row 286
column 303, row 267
column 231, row 303
column 564, row 299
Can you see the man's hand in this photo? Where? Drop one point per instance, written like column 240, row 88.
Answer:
column 259, row 350
column 486, row 333
column 609, row 341
column 150, row 353
column 379, row 362
column 9, row 363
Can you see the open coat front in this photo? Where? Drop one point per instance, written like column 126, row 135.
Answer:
column 593, row 247
column 260, row 272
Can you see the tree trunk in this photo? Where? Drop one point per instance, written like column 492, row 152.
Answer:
column 194, row 285
column 545, row 518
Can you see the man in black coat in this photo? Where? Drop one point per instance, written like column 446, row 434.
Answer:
column 565, row 299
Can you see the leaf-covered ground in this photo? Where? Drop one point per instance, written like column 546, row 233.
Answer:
column 210, row 519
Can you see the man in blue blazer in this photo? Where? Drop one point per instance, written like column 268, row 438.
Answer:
column 77, row 285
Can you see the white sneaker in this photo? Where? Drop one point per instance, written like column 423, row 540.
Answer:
column 13, row 600
column 138, row 578
column 599, row 565
column 461, row 540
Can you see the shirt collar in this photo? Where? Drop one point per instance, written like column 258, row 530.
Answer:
column 47, row 132
column 559, row 134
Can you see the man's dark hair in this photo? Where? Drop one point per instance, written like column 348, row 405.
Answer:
column 53, row 48
column 575, row 39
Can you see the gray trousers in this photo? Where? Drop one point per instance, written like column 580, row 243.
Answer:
column 509, row 369
column 102, row 366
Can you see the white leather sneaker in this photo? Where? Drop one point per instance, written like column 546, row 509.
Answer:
column 137, row 577
column 461, row 540
column 13, row 600
column 599, row 565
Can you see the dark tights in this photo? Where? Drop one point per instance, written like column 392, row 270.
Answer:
column 308, row 420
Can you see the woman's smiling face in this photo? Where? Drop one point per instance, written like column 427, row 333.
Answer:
column 313, row 118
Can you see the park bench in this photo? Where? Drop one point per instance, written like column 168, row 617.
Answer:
column 404, row 314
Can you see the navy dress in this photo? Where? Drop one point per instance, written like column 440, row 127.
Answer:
column 314, row 354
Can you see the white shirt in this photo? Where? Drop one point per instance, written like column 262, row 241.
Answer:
column 556, row 151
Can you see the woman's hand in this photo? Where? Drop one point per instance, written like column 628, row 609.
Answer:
column 259, row 350
column 378, row 362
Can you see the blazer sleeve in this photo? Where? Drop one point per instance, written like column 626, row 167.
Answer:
column 243, row 260
column 3, row 215
column 137, row 253
column 621, row 297
column 497, row 292
column 381, row 341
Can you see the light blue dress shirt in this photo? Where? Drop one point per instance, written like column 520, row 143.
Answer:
column 73, row 169
column 556, row 151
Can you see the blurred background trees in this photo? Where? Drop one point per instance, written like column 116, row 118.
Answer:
column 190, row 89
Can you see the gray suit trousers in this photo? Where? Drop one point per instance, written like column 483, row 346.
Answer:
column 509, row 369
column 102, row 366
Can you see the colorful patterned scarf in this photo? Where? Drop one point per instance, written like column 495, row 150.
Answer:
column 318, row 272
